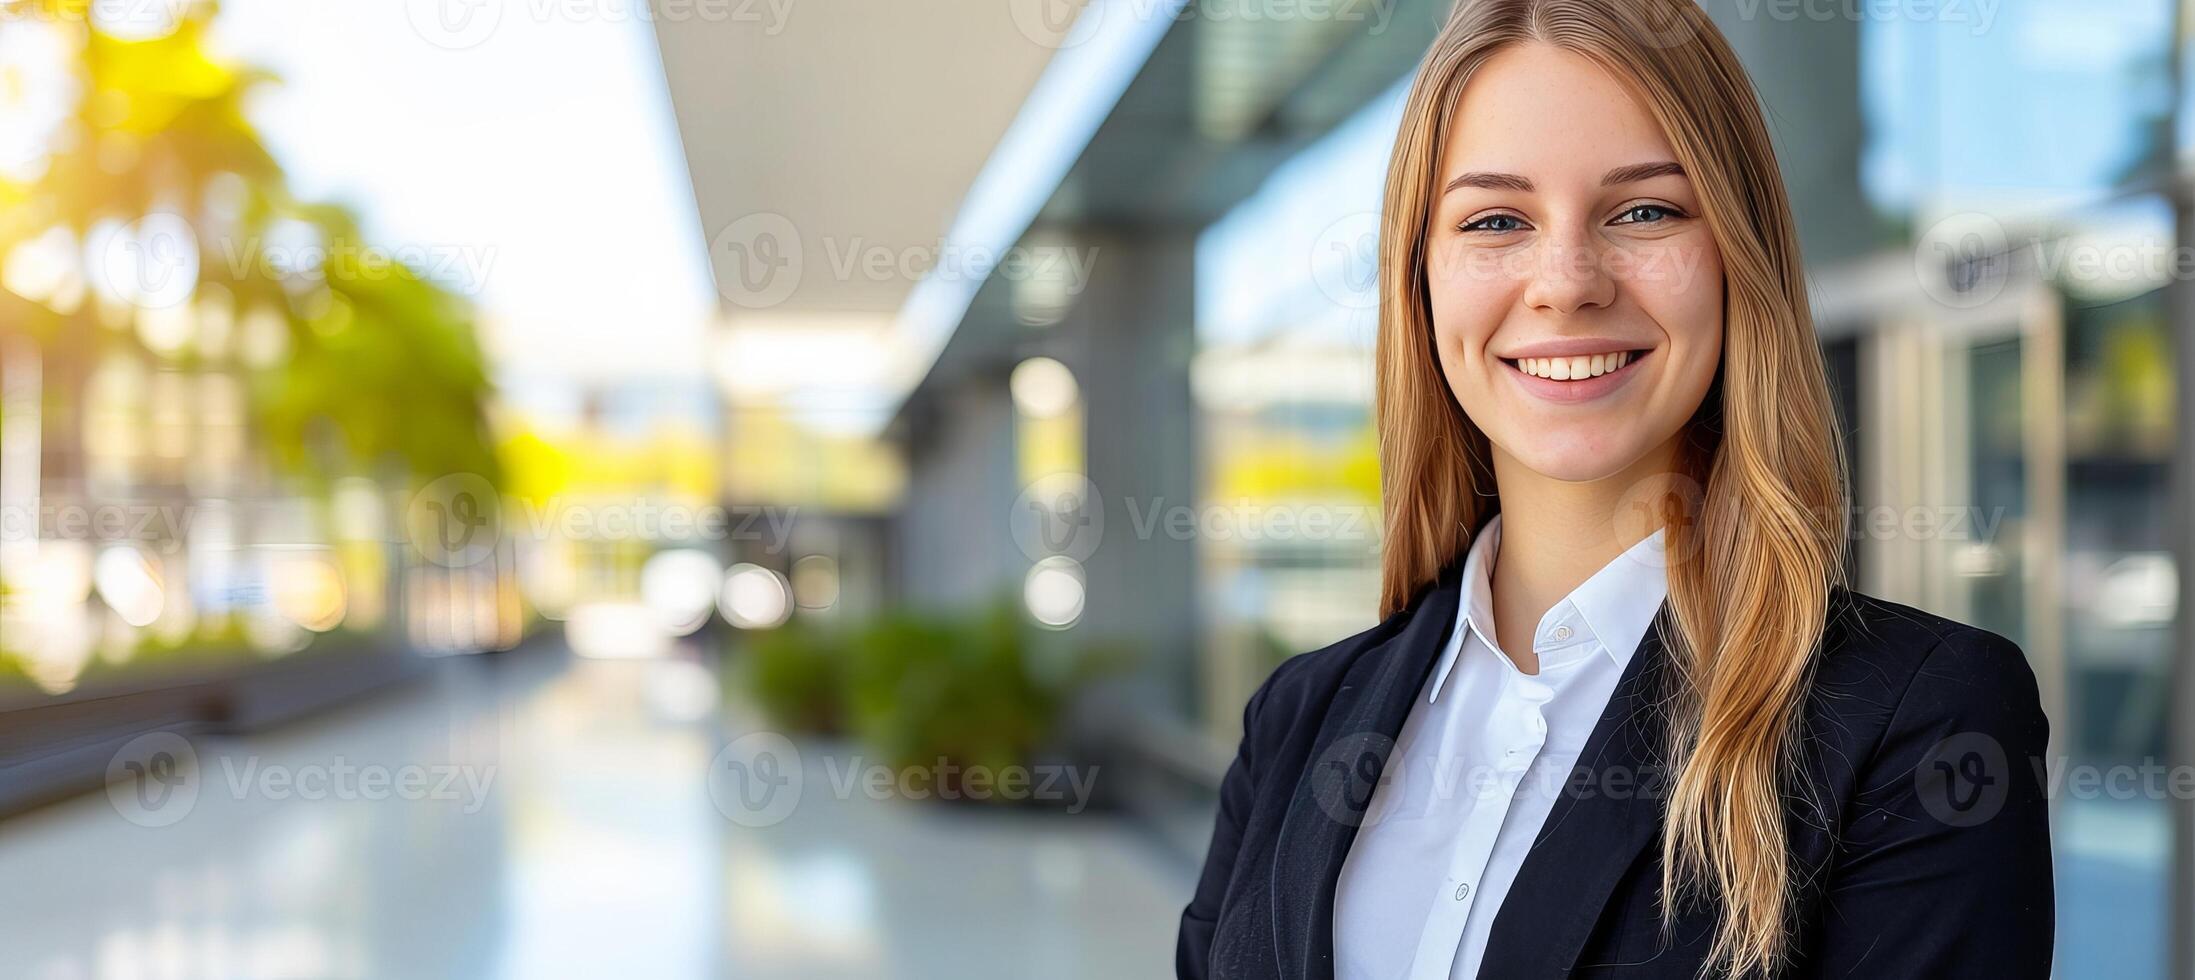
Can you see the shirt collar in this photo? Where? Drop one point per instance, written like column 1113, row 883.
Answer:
column 1618, row 603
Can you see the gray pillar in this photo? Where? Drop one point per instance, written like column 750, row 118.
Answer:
column 954, row 550
column 1808, row 74
column 1129, row 340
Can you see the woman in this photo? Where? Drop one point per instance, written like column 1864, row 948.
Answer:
column 1622, row 717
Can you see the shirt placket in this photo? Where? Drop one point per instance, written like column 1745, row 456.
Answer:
column 1520, row 732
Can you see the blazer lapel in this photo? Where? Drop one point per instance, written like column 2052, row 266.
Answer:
column 1350, row 752
column 1609, row 811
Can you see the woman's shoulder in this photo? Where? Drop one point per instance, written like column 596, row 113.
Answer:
column 1867, row 637
column 1304, row 681
column 1302, row 684
column 1904, row 673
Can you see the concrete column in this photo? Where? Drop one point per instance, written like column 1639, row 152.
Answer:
column 954, row 546
column 1129, row 340
column 1808, row 74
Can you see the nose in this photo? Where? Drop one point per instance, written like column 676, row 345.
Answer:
column 1567, row 274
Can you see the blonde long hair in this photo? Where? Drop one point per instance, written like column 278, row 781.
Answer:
column 1757, row 545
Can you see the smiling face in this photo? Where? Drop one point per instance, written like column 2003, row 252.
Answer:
column 1576, row 290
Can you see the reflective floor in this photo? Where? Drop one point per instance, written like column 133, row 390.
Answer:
column 539, row 817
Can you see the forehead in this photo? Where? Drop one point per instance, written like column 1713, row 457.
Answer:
column 1548, row 114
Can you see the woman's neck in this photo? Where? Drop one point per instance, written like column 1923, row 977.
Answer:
column 1555, row 534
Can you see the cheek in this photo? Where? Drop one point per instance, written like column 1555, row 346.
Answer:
column 1681, row 288
column 1466, row 312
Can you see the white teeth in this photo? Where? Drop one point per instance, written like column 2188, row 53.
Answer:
column 1573, row 368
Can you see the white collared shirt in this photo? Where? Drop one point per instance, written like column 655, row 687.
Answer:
column 1478, row 766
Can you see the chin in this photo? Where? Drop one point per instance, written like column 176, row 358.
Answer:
column 1584, row 459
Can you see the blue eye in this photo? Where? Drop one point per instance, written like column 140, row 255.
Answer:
column 1646, row 213
column 1496, row 223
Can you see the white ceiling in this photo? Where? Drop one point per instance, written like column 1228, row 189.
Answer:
column 861, row 124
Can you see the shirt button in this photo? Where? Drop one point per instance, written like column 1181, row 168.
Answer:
column 1463, row 891
column 1562, row 632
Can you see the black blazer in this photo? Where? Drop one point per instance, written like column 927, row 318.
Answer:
column 1921, row 850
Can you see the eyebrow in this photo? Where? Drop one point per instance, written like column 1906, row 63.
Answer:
column 1632, row 173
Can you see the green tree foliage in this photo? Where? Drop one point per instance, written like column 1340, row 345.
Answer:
column 381, row 367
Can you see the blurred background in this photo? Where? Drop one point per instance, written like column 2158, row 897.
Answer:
column 787, row 488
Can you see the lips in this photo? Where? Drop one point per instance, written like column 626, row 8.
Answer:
column 1569, row 378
